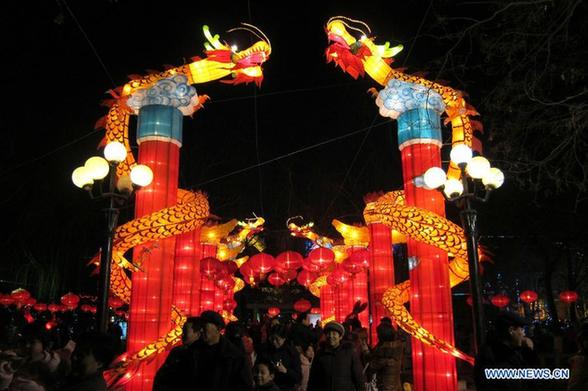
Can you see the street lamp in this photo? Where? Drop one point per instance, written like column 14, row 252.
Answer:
column 90, row 177
column 462, row 192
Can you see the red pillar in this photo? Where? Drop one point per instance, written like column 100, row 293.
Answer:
column 187, row 272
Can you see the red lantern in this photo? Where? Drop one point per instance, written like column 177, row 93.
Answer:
column 500, row 300
column 120, row 313
column 290, row 275
column 262, row 263
column 273, row 311
column 50, row 325
column 20, row 295
column 305, row 277
column 226, row 283
column 53, row 307
column 311, row 267
column 248, row 273
column 294, row 316
column 568, row 297
column 30, row 301
column 93, row 309
column 528, row 296
column 40, row 307
column 470, row 301
column 6, row 300
column 321, row 257
column 289, row 260
column 85, row 307
column 70, row 300
column 276, row 279
column 115, row 302
column 338, row 277
column 229, row 305
column 315, row 310
column 302, row 305
column 357, row 262
column 209, row 267
column 231, row 267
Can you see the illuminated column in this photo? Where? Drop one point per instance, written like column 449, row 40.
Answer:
column 159, row 135
column 186, row 294
column 359, row 290
column 418, row 111
column 381, row 273
column 327, row 302
column 207, row 286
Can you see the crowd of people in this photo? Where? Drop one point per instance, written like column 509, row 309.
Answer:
column 275, row 355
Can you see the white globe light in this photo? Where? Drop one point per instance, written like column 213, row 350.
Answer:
column 460, row 154
column 115, row 152
column 98, row 167
column 493, row 179
column 478, row 167
column 81, row 177
column 453, row 188
column 141, row 175
column 434, row 177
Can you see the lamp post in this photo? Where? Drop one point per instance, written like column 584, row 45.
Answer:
column 462, row 192
column 91, row 177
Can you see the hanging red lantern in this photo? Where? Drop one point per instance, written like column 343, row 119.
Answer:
column 93, row 309
column 338, row 277
column 120, row 313
column 50, row 325
column 289, row 275
column 229, row 305
column 470, row 301
column 115, row 302
column 28, row 317
column 248, row 273
column 262, row 263
column 209, row 267
column 500, row 300
column 226, row 283
column 231, row 267
column 302, row 305
column 276, row 279
column 289, row 260
column 357, row 262
column 30, row 302
column 311, row 267
column 70, row 300
column 6, row 300
column 294, row 315
column 273, row 311
column 85, row 307
column 321, row 257
column 40, row 307
column 53, row 307
column 568, row 297
column 315, row 310
column 305, row 277
column 20, row 295
column 528, row 296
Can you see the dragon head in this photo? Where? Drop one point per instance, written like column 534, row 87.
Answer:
column 350, row 52
column 244, row 65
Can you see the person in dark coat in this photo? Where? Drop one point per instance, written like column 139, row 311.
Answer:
column 507, row 348
column 336, row 365
column 264, row 373
column 284, row 357
column 220, row 365
column 386, row 360
column 179, row 369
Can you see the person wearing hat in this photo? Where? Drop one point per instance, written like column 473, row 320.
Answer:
column 336, row 365
column 508, row 347
column 220, row 366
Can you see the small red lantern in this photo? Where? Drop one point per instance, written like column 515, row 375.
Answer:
column 357, row 262
column 50, row 325
column 40, row 307
column 470, row 301
column 93, row 309
column 226, row 283
column 6, row 300
column 273, row 311
column 568, row 297
column 120, row 313
column 311, row 267
column 20, row 295
column 321, row 257
column 231, row 267
column 209, row 267
column 302, row 305
column 262, row 263
column 53, row 307
column 338, row 277
column 30, row 302
column 528, row 296
column 229, row 305
column 500, row 300
column 290, row 275
column 115, row 302
column 276, row 279
column 70, row 300
column 289, row 260
column 305, row 277
column 315, row 310
column 85, row 307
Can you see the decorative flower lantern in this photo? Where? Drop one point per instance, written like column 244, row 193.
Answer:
column 500, row 300
column 276, row 279
column 321, row 257
column 568, row 297
column 528, row 296
column 305, row 277
column 289, row 260
column 273, row 311
column 20, row 295
column 302, row 305
column 115, row 302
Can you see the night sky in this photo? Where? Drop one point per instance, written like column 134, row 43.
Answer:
column 55, row 83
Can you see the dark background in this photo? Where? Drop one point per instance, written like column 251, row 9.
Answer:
column 55, row 80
